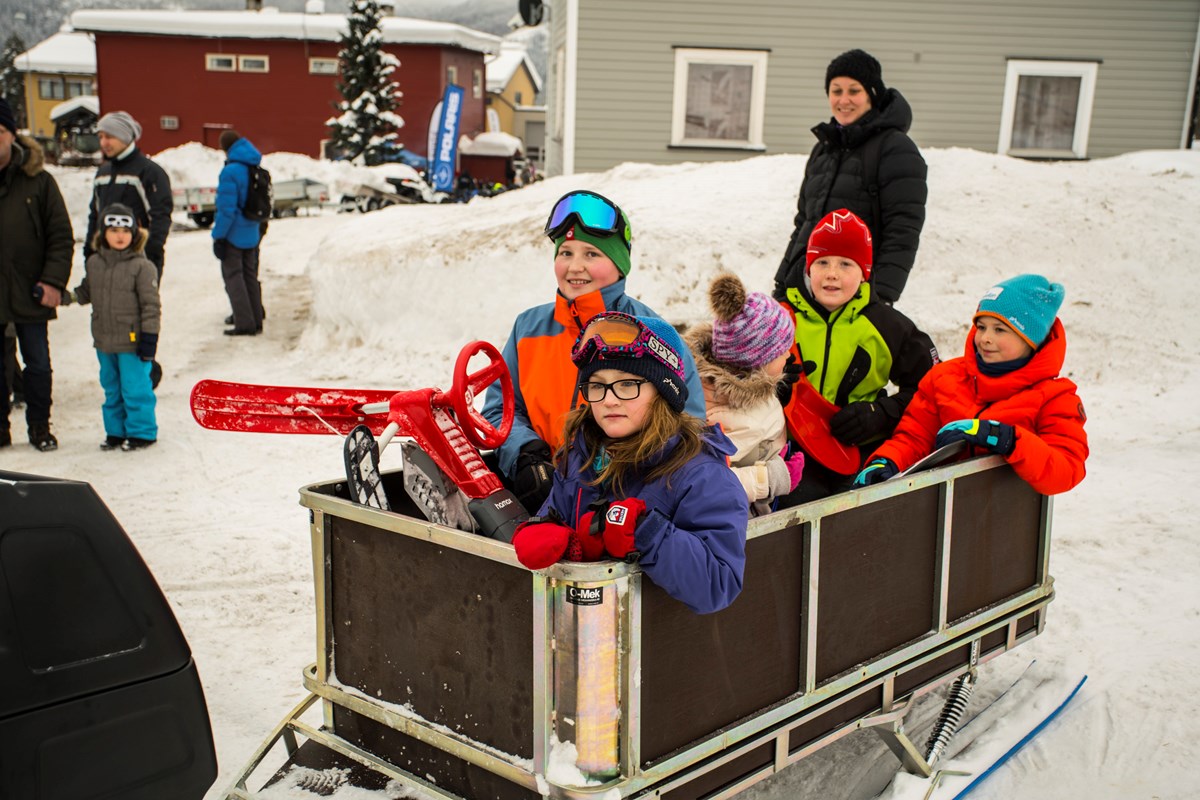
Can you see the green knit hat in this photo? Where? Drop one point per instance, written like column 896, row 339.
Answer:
column 611, row 246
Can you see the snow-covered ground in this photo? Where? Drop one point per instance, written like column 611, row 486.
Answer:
column 387, row 299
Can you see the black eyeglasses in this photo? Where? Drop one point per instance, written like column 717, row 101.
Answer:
column 627, row 389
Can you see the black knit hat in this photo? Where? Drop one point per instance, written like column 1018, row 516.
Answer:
column 7, row 120
column 862, row 67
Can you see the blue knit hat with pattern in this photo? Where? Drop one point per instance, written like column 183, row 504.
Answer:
column 1027, row 303
column 670, row 383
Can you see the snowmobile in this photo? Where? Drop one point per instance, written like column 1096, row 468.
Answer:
column 445, row 667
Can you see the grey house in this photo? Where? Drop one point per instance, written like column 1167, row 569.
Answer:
column 668, row 81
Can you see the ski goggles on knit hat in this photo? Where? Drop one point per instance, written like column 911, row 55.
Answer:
column 593, row 213
column 644, row 346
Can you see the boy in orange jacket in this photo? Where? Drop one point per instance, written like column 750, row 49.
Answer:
column 1003, row 396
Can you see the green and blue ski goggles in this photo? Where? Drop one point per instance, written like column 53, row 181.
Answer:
column 597, row 215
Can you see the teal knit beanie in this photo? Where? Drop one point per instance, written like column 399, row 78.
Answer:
column 1027, row 303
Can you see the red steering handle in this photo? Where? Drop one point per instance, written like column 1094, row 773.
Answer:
column 467, row 387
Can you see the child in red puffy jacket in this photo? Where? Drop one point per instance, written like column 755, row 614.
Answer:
column 1003, row 396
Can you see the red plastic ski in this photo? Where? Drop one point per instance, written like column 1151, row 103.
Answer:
column 446, row 425
column 247, row 407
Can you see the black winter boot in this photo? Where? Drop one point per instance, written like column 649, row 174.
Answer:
column 41, row 437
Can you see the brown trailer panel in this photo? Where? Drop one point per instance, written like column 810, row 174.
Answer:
column 445, row 664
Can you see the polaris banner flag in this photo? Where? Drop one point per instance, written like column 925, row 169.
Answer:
column 447, row 140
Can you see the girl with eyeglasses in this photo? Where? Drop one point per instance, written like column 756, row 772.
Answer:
column 639, row 479
column 592, row 248
column 121, row 284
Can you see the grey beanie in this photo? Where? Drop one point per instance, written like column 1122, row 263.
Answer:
column 120, row 125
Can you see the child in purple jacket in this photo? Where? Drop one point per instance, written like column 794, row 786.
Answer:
column 638, row 479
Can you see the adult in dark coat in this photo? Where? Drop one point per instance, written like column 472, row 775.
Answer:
column 35, row 265
column 130, row 178
column 867, row 133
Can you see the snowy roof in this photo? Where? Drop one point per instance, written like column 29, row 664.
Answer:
column 491, row 143
column 68, row 52
column 502, row 67
column 272, row 24
column 89, row 102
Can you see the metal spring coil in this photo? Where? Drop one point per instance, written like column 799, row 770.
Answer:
column 952, row 713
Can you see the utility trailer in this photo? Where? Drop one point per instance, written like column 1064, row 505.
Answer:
column 288, row 197
column 445, row 665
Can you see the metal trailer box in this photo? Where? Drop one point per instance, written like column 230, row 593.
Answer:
column 446, row 665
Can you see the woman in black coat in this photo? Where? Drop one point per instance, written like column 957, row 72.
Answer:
column 863, row 161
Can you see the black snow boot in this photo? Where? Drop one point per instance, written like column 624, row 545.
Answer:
column 41, row 437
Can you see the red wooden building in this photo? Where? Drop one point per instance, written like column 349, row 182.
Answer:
column 188, row 75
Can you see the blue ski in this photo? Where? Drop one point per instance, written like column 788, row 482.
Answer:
column 981, row 777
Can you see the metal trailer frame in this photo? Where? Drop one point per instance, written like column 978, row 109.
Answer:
column 440, row 659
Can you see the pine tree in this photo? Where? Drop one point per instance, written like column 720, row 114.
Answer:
column 12, row 81
column 367, row 120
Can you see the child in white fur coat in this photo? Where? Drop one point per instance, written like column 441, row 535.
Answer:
column 740, row 358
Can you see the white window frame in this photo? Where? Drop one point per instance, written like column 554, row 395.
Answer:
column 211, row 59
column 52, row 89
column 451, row 75
column 243, row 60
column 168, row 123
column 560, row 92
column 476, row 83
column 685, row 57
column 321, row 66
column 1018, row 68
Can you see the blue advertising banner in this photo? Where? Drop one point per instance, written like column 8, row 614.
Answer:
column 442, row 160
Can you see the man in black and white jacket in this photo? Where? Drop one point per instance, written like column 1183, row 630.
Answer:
column 129, row 177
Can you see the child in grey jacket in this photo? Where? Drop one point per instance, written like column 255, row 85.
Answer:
column 122, row 286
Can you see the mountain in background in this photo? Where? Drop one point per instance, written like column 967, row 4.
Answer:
column 34, row 20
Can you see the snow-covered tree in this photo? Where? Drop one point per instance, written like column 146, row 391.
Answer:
column 367, row 120
column 12, row 82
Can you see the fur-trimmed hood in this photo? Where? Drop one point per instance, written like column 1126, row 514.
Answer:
column 29, row 155
column 737, row 388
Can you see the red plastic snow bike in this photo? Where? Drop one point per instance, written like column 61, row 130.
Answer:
column 444, row 474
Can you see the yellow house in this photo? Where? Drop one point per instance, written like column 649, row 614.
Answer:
column 513, row 84
column 59, row 68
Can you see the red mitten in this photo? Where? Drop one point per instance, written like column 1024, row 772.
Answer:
column 620, row 521
column 539, row 544
column 589, row 537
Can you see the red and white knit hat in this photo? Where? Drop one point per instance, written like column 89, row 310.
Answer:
column 841, row 233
